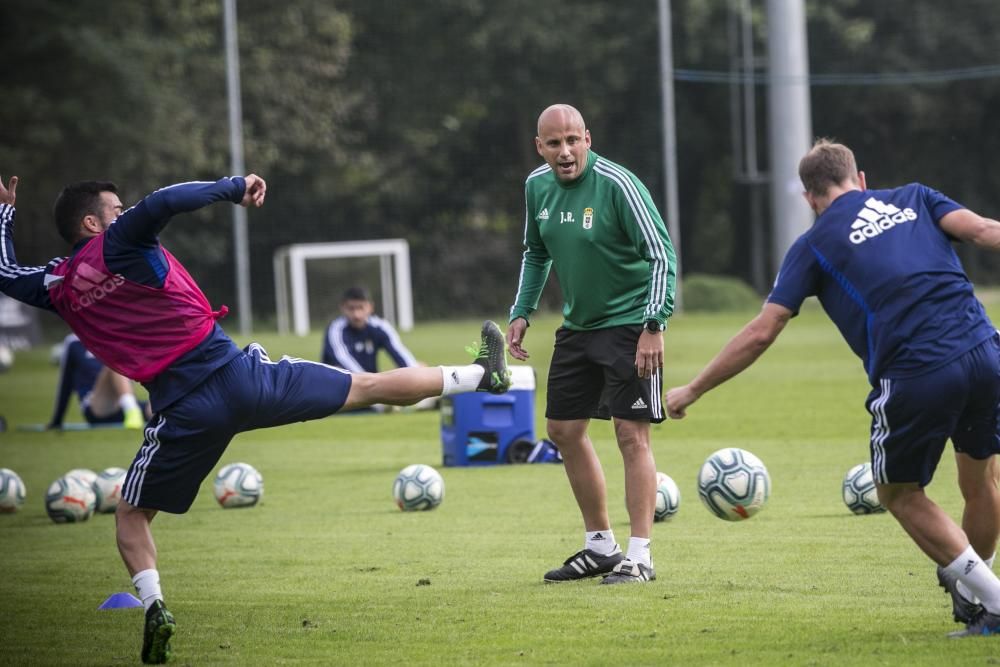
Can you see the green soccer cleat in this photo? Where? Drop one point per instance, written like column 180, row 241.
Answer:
column 160, row 627
column 492, row 356
column 134, row 419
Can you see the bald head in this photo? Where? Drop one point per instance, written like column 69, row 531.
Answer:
column 563, row 141
column 561, row 115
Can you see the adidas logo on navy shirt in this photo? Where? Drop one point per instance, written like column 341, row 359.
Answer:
column 878, row 217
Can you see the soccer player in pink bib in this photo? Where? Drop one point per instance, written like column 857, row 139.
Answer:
column 136, row 308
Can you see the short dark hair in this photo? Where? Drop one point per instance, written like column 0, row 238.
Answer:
column 827, row 164
column 77, row 201
column 355, row 294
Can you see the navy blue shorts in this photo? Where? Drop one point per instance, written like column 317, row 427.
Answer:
column 912, row 418
column 183, row 443
column 593, row 374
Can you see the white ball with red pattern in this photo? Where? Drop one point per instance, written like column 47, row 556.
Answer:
column 238, row 485
column 69, row 499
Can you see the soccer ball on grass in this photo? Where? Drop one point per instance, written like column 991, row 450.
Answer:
column 11, row 491
column 859, row 491
column 668, row 497
column 69, row 499
column 733, row 484
column 418, row 487
column 238, row 485
column 85, row 475
column 108, row 489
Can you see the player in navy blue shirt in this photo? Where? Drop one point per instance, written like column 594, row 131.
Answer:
column 105, row 397
column 882, row 265
column 353, row 340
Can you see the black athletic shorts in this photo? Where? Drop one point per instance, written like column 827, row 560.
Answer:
column 593, row 375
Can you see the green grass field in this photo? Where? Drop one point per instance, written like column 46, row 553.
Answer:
column 327, row 571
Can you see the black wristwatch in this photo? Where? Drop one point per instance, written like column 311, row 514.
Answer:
column 653, row 326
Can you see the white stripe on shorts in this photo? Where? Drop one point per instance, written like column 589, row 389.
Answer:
column 880, row 432
column 261, row 353
column 137, row 474
column 655, row 394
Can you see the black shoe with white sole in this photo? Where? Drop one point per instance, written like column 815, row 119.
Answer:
column 630, row 572
column 585, row 564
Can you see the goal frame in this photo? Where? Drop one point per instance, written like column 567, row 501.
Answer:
column 291, row 286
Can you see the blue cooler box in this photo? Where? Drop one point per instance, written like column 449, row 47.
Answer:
column 486, row 429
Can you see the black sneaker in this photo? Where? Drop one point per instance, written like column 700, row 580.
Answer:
column 964, row 610
column 987, row 624
column 584, row 564
column 492, row 356
column 630, row 572
column 160, row 627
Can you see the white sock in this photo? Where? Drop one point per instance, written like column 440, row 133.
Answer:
column 600, row 541
column 964, row 590
column 638, row 550
column 970, row 569
column 461, row 379
column 147, row 585
column 128, row 402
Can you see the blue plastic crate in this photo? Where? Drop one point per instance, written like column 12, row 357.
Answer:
column 480, row 428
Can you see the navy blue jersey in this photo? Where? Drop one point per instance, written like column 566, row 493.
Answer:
column 356, row 350
column 132, row 250
column 888, row 277
column 78, row 370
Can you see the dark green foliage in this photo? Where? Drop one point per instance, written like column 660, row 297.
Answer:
column 718, row 294
column 381, row 118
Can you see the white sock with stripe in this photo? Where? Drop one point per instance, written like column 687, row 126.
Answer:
column 147, row 585
column 964, row 590
column 460, row 379
column 600, row 541
column 970, row 569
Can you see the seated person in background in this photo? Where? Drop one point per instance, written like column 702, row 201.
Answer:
column 105, row 396
column 352, row 341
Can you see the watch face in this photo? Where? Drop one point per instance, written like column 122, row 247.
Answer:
column 652, row 326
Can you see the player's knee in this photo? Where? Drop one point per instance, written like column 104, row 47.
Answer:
column 126, row 515
column 566, row 434
column 632, row 436
column 364, row 389
column 897, row 497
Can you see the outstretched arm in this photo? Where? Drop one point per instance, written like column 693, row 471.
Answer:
column 24, row 283
column 965, row 225
column 737, row 355
column 141, row 224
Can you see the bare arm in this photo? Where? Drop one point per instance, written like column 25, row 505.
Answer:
column 737, row 355
column 965, row 225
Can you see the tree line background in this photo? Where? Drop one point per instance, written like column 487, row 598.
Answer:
column 415, row 119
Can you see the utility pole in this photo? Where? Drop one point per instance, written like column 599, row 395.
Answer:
column 790, row 120
column 670, row 141
column 241, row 245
